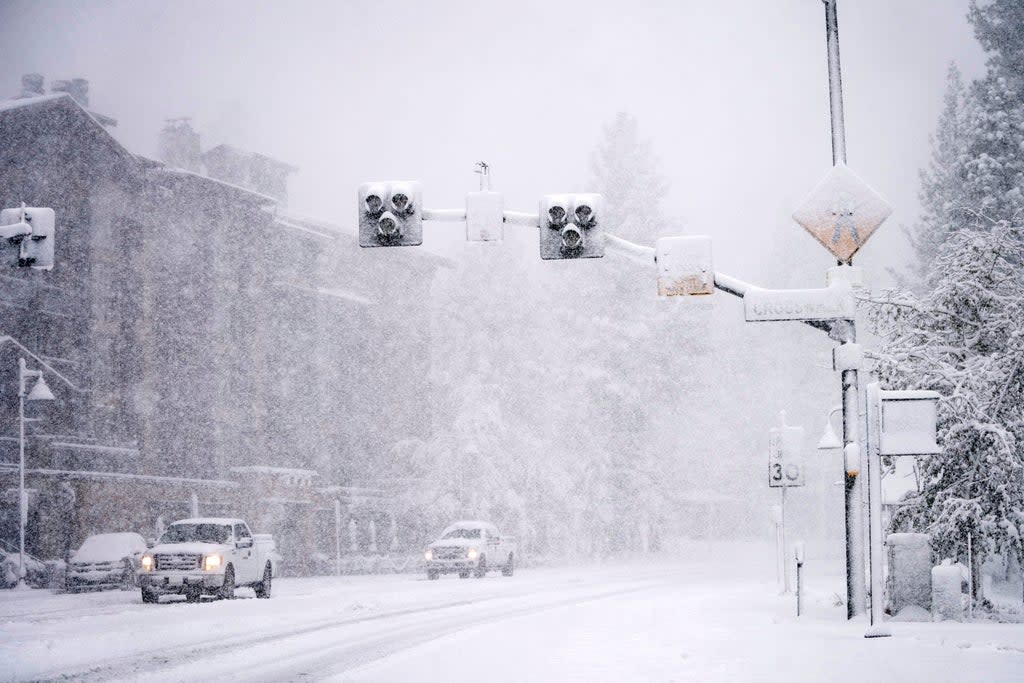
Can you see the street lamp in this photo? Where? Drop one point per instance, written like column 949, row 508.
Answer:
column 39, row 392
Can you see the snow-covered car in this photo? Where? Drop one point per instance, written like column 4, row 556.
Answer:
column 208, row 556
column 105, row 561
column 470, row 547
column 35, row 571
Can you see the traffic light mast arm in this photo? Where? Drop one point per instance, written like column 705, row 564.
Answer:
column 459, row 216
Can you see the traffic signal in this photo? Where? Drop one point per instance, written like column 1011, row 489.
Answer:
column 570, row 226
column 26, row 237
column 390, row 214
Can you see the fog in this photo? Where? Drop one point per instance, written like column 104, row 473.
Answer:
column 574, row 406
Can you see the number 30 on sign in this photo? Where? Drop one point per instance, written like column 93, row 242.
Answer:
column 784, row 462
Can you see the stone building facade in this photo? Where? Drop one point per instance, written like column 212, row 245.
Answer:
column 205, row 331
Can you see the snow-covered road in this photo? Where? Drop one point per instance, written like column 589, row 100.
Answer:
column 644, row 622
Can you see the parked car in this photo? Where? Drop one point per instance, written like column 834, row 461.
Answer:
column 208, row 556
column 470, row 547
column 35, row 570
column 105, row 561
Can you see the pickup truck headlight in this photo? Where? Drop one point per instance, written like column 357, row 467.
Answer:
column 429, row 555
column 147, row 563
column 472, row 553
column 211, row 562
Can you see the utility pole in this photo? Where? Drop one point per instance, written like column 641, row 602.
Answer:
column 852, row 449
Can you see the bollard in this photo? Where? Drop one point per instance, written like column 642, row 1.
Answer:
column 798, row 552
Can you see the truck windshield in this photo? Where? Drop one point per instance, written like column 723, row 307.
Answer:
column 207, row 533
column 462, row 533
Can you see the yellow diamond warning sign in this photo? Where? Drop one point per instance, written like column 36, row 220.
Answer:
column 842, row 212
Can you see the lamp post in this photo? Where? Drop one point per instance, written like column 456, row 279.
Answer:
column 39, row 392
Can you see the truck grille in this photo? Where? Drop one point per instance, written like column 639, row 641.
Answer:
column 450, row 553
column 179, row 561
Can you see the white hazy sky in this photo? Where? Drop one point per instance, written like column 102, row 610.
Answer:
column 732, row 95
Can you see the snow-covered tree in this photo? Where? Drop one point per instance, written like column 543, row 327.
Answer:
column 965, row 338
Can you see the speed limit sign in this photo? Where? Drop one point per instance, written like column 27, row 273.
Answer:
column 785, row 464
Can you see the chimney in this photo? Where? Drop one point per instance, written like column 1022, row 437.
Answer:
column 31, row 85
column 78, row 88
column 179, row 145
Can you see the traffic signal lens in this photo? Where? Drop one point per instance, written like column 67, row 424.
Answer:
column 400, row 201
column 374, row 203
column 572, row 238
column 557, row 214
column 388, row 226
column 584, row 214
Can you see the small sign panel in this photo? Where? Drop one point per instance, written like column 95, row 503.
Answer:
column 909, row 420
column 485, row 216
column 785, row 460
column 684, row 266
column 842, row 212
column 835, row 302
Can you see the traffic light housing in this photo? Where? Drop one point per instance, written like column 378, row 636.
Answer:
column 571, row 226
column 390, row 214
column 26, row 237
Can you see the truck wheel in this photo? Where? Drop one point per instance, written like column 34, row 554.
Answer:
column 510, row 566
column 481, row 568
column 263, row 587
column 149, row 596
column 433, row 574
column 227, row 590
column 463, row 575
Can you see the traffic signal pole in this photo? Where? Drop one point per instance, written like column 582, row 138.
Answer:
column 853, row 449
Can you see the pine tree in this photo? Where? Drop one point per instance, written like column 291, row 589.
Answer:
column 965, row 339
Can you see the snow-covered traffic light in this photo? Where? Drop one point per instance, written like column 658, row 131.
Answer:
column 570, row 226
column 26, row 237
column 390, row 214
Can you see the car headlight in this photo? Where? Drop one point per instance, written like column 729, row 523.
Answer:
column 472, row 553
column 147, row 563
column 211, row 562
column 429, row 554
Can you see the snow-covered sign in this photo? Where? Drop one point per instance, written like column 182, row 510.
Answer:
column 842, row 212
column 684, row 266
column 785, row 463
column 485, row 216
column 909, row 423
column 831, row 303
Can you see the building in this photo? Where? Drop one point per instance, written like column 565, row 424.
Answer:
column 206, row 331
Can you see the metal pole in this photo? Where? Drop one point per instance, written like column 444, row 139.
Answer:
column 799, row 570
column 873, row 462
column 835, row 83
column 22, row 511
column 855, row 588
column 785, row 564
column 970, row 578
column 337, row 537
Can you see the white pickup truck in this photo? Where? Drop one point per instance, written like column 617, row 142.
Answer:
column 470, row 547
column 208, row 556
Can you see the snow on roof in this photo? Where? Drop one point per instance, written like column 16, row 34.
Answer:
column 268, row 469
column 198, row 177
column 209, row 520
column 111, row 450
column 469, row 524
column 332, row 292
column 143, row 478
column 64, row 99
column 319, row 234
column 110, row 547
column 23, row 102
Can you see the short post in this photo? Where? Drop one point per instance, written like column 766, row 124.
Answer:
column 970, row 578
column 780, row 549
column 798, row 552
column 337, row 537
column 785, row 565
